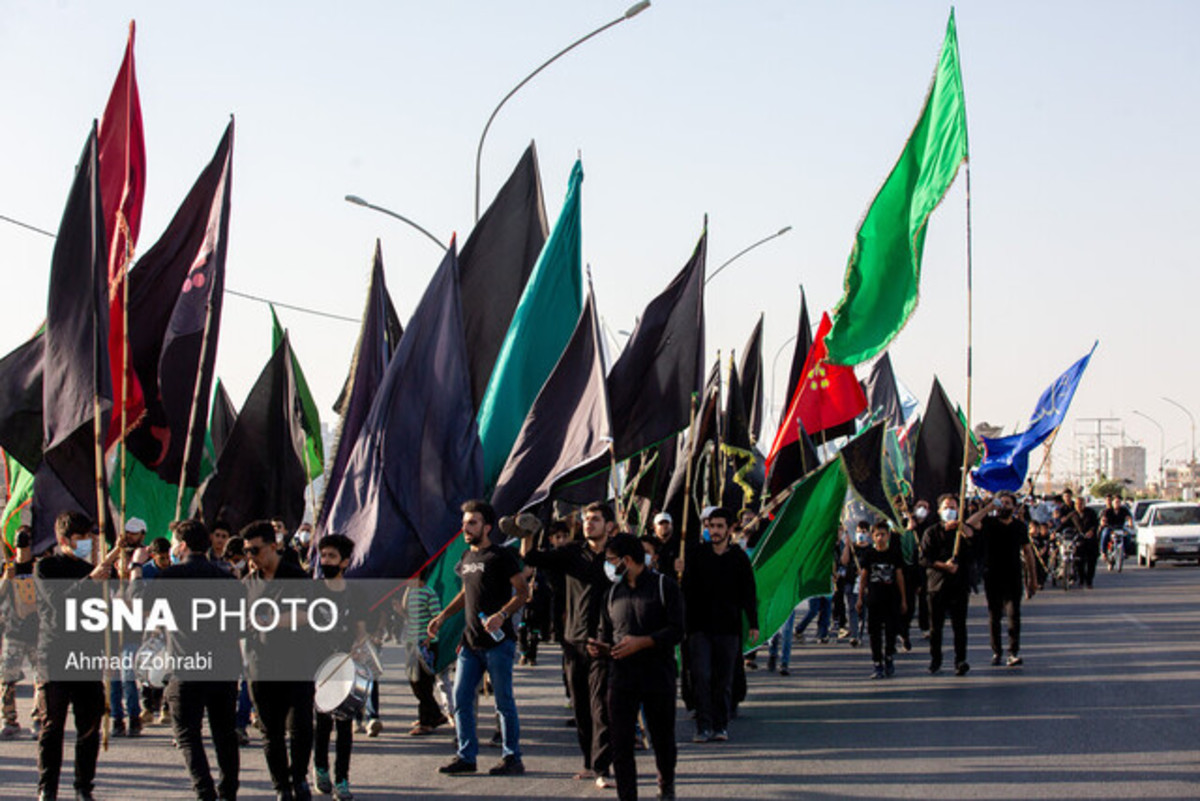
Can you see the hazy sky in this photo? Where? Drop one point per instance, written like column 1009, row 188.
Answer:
column 1082, row 118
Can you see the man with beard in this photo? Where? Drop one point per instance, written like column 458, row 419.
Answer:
column 946, row 556
column 1008, row 557
column 582, row 564
column 718, row 589
column 494, row 589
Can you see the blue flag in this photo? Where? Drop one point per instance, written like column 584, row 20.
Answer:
column 417, row 457
column 1007, row 459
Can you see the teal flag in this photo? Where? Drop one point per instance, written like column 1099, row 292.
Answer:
column 884, row 270
column 794, row 559
column 543, row 322
column 310, row 420
column 541, row 326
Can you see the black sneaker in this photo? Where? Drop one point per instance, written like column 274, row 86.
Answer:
column 889, row 668
column 118, row 728
column 906, row 643
column 935, row 665
column 509, row 766
column 878, row 672
column 783, row 671
column 961, row 669
column 1015, row 661
column 995, row 660
column 771, row 664
column 301, row 791
column 666, row 793
column 457, row 765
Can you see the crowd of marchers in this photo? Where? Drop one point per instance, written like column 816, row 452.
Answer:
column 619, row 608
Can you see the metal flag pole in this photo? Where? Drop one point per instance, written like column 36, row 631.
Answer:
column 687, row 489
column 962, row 488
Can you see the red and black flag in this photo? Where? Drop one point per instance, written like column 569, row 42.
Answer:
column 260, row 472
column 378, row 339
column 652, row 382
column 495, row 264
column 76, row 383
column 122, row 187
column 175, row 295
column 568, row 429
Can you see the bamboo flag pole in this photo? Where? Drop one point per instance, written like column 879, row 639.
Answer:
column 962, row 489
column 187, row 444
column 127, row 257
column 1045, row 457
column 687, row 489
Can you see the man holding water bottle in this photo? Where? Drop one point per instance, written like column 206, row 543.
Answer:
column 493, row 590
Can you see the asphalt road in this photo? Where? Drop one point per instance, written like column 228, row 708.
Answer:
column 1107, row 705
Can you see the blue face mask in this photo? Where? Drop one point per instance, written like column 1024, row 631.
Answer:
column 83, row 549
column 705, row 536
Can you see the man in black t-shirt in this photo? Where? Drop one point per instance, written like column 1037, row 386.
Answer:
column 945, row 555
column 1115, row 517
column 881, row 580
column 1008, row 558
column 494, row 588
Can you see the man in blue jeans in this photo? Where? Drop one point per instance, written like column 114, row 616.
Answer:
column 494, row 589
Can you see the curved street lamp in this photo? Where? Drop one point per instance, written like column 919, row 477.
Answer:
column 632, row 11
column 746, row 250
column 1162, row 446
column 358, row 201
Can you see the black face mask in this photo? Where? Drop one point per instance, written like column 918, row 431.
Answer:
column 25, row 568
column 331, row 571
column 1006, row 513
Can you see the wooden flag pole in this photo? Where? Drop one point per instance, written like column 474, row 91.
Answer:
column 124, row 360
column 187, row 443
column 962, row 488
column 687, row 490
column 1045, row 457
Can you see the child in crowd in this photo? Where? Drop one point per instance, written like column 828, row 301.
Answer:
column 881, row 578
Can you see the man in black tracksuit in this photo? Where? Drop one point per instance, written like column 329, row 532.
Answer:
column 582, row 564
column 946, row 582
column 718, row 589
column 640, row 625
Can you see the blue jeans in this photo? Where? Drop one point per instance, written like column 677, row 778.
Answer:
column 820, row 607
column 498, row 662
column 243, row 705
column 783, row 638
column 123, row 687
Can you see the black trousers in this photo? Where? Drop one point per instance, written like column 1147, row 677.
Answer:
column 914, row 586
column 286, row 711
column 712, row 659
column 587, row 685
column 1089, row 553
column 953, row 604
column 883, row 623
column 428, row 711
column 188, row 702
column 1004, row 600
column 659, row 709
column 345, row 744
column 87, row 699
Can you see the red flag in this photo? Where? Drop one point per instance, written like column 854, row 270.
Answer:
column 122, row 187
column 827, row 395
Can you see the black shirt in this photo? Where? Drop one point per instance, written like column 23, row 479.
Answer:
column 223, row 646
column 718, row 589
column 653, row 606
column 585, row 583
column 487, row 581
column 56, row 578
column 1003, row 544
column 881, row 568
column 1115, row 518
column 937, row 545
column 352, row 605
column 280, row 653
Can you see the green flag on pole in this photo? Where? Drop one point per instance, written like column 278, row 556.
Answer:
column 19, row 483
column 310, row 420
column 884, row 269
column 794, row 559
column 541, row 326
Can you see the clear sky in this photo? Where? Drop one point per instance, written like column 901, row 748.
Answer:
column 1082, row 118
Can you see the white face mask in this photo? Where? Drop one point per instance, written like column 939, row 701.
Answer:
column 610, row 570
column 948, row 515
column 861, row 537
column 83, row 549
column 648, row 560
column 920, row 513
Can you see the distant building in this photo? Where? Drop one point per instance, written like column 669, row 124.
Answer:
column 1128, row 465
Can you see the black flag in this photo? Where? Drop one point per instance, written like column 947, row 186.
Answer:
column 221, row 423
column 700, row 450
column 21, row 403
column 568, row 429
column 938, row 459
column 417, row 457
column 378, row 339
column 175, row 294
column 804, row 343
column 495, row 264
column 652, row 382
column 750, row 371
column 863, row 459
column 792, row 463
column 260, row 472
column 883, row 399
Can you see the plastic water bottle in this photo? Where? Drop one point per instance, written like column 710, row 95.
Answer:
column 496, row 635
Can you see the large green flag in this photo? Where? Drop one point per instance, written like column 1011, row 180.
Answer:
column 150, row 498
column 541, row 326
column 19, row 483
column 794, row 559
column 310, row 420
column 884, row 269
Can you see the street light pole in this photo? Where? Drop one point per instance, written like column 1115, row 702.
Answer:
column 1192, row 463
column 746, row 250
column 358, row 201
column 1162, row 447
column 632, row 11
column 774, row 365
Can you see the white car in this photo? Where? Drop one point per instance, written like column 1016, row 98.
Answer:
column 1169, row 531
